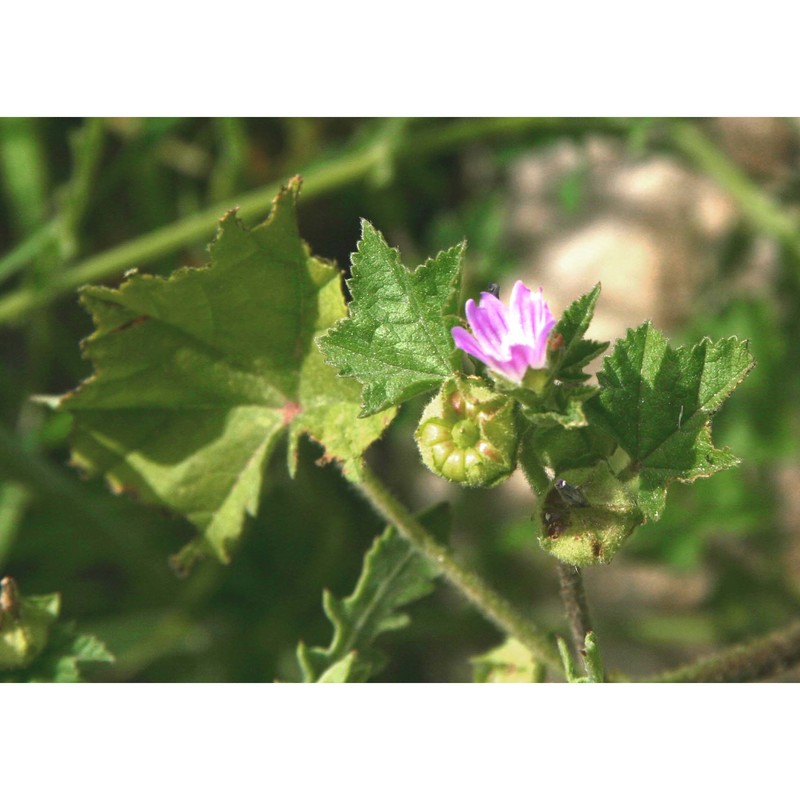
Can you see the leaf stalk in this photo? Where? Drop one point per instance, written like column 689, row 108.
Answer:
column 573, row 595
column 491, row 605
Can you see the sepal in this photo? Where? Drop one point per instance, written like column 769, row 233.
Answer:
column 586, row 516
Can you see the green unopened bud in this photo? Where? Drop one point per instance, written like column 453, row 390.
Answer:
column 468, row 434
column 586, row 516
column 24, row 625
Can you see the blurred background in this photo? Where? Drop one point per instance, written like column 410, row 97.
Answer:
column 690, row 223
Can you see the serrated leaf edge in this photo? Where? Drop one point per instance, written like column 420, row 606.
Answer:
column 322, row 341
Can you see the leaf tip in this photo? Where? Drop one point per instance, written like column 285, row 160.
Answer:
column 185, row 559
column 294, row 185
column 367, row 227
column 229, row 217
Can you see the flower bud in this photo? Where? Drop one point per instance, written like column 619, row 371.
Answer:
column 468, row 434
column 586, row 516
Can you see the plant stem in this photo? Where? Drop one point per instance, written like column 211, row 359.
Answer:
column 353, row 165
column 165, row 240
column 14, row 500
column 757, row 206
column 492, row 605
column 761, row 658
column 27, row 250
column 575, row 606
column 346, row 168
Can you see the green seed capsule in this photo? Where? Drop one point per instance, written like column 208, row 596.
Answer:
column 586, row 516
column 468, row 434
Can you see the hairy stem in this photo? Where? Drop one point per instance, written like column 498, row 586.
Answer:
column 574, row 598
column 761, row 658
column 492, row 605
column 27, row 250
column 764, row 213
column 346, row 168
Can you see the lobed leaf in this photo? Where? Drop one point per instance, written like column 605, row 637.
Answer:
column 198, row 375
column 656, row 402
column 509, row 662
column 562, row 407
column 557, row 449
column 68, row 652
column 396, row 340
column 36, row 647
column 576, row 352
column 393, row 575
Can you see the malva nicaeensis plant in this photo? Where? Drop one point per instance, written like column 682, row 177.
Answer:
column 198, row 376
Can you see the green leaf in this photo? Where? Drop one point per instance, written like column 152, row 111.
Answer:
column 657, row 403
column 576, row 352
column 61, row 662
column 511, row 662
column 559, row 450
column 393, row 575
column 199, row 374
column 560, row 399
column 562, row 407
column 396, row 340
column 343, row 671
column 35, row 647
column 25, row 625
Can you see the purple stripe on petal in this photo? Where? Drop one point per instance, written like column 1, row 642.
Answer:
column 484, row 328
column 494, row 364
column 509, row 340
column 496, row 311
column 518, row 363
column 466, row 342
column 539, row 350
column 502, row 367
column 488, row 300
column 547, row 319
column 520, row 313
column 537, row 309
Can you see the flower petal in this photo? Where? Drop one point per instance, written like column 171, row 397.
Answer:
column 520, row 312
column 496, row 311
column 517, row 365
column 539, row 350
column 466, row 342
column 489, row 329
column 541, row 313
column 509, row 340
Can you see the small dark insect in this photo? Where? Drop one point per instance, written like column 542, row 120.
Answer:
column 571, row 495
column 555, row 514
column 556, row 522
column 494, row 289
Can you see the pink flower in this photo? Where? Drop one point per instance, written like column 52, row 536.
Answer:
column 512, row 340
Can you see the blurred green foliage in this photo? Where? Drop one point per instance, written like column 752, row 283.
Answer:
column 71, row 189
